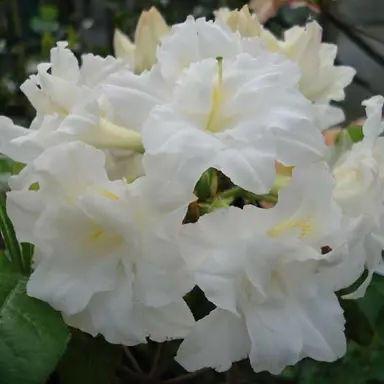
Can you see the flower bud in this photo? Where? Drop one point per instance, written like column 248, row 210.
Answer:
column 123, row 47
column 150, row 29
column 244, row 22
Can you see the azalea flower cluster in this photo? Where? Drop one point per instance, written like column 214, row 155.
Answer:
column 111, row 191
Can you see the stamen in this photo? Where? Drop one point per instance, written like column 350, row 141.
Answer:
column 220, row 69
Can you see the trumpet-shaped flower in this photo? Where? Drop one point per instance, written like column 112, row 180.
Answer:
column 259, row 267
column 141, row 55
column 237, row 115
column 320, row 81
column 106, row 252
column 71, row 105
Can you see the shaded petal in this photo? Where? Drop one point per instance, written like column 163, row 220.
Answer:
column 173, row 321
column 216, row 341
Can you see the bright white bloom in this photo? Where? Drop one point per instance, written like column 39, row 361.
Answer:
column 222, row 13
column 205, row 40
column 106, row 251
column 230, row 110
column 359, row 190
column 259, row 267
column 141, row 55
column 71, row 105
column 59, row 90
column 321, row 81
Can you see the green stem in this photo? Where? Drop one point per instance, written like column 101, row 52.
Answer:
column 233, row 192
column 237, row 191
column 133, row 360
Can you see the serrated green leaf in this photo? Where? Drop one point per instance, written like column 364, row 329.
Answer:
column 33, row 336
column 89, row 360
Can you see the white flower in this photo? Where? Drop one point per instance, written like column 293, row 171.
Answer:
column 359, row 191
column 106, row 251
column 236, row 113
column 259, row 267
column 71, row 105
column 59, row 90
column 321, row 81
column 205, row 40
column 141, row 55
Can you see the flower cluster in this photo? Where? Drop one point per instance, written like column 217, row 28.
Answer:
column 133, row 168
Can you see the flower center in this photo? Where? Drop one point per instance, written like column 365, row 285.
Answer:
column 216, row 122
column 305, row 226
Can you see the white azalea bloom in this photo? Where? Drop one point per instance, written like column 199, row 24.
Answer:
column 83, row 113
column 321, row 81
column 359, row 191
column 259, row 267
column 150, row 30
column 205, row 40
column 59, row 90
column 85, row 123
column 107, row 256
column 238, row 115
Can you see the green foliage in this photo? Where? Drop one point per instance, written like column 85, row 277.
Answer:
column 89, row 360
column 11, row 243
column 32, row 335
column 356, row 133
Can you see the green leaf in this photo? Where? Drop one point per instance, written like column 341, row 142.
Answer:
column 11, row 243
column 5, row 263
column 207, row 185
column 358, row 326
column 32, row 335
column 356, row 133
column 17, row 167
column 89, row 360
column 5, row 164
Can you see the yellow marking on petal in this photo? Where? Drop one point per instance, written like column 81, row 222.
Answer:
column 306, row 227
column 97, row 234
column 109, row 195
